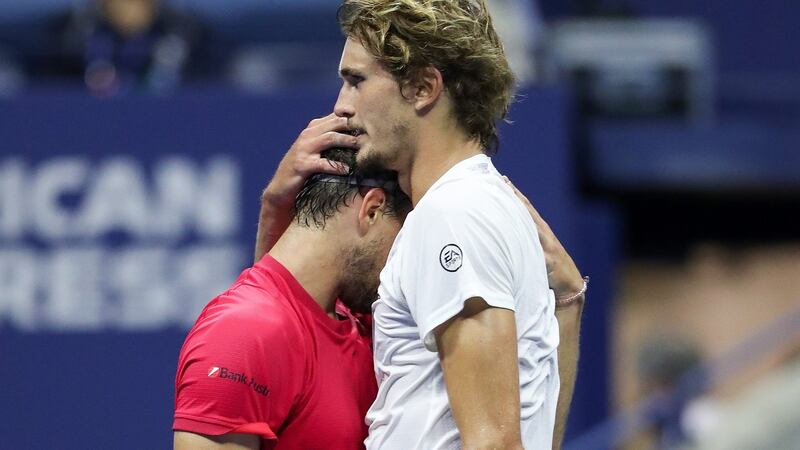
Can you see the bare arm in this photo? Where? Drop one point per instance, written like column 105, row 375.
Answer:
column 183, row 440
column 478, row 352
column 273, row 219
column 569, row 324
column 565, row 280
column 302, row 160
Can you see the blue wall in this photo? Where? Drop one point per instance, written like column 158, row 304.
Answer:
column 120, row 219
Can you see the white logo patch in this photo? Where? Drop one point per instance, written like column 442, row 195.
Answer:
column 451, row 257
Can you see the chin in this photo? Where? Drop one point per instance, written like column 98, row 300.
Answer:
column 370, row 159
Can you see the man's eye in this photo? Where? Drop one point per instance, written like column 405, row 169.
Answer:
column 355, row 81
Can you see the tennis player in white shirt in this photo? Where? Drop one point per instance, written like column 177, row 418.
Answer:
column 466, row 335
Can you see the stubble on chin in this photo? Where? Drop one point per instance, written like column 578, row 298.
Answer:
column 387, row 155
column 373, row 161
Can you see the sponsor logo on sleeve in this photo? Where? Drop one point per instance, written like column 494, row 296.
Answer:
column 238, row 377
column 451, row 257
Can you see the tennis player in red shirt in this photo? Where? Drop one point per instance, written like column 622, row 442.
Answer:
column 282, row 359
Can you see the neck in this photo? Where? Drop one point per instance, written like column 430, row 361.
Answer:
column 437, row 153
column 307, row 254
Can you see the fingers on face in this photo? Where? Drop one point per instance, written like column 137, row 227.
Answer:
column 333, row 139
column 327, row 132
column 321, row 134
column 329, row 123
column 320, row 120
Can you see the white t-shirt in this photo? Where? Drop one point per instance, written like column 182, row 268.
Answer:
column 469, row 236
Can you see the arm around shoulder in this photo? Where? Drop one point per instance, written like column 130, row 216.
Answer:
column 569, row 288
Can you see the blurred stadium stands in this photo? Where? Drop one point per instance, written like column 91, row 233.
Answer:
column 660, row 139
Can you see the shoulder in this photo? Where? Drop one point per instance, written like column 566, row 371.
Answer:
column 474, row 218
column 248, row 318
column 467, row 200
column 241, row 335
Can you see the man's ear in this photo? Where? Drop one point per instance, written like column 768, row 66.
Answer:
column 371, row 209
column 425, row 89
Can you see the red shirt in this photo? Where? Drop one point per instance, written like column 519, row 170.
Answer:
column 263, row 358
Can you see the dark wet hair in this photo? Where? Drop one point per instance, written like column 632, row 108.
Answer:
column 323, row 195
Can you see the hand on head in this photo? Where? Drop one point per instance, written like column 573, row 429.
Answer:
column 304, row 158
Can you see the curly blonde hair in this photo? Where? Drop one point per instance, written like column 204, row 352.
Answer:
column 454, row 36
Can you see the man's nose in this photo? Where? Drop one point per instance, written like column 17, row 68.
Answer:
column 343, row 107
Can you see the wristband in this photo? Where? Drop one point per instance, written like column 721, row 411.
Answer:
column 561, row 302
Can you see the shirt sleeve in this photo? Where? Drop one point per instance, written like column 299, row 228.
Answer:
column 237, row 374
column 459, row 250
